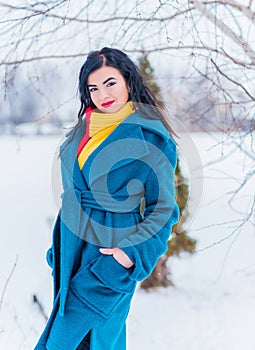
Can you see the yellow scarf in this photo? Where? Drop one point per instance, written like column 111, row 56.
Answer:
column 100, row 127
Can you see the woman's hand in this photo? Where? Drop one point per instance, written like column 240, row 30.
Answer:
column 119, row 255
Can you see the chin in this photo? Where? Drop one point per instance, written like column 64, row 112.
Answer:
column 115, row 108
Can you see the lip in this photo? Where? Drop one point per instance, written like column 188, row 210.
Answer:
column 107, row 104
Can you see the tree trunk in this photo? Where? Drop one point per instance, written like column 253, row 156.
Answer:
column 159, row 276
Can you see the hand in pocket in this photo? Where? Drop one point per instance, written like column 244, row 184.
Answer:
column 119, row 255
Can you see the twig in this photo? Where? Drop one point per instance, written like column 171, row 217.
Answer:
column 47, row 13
column 232, row 80
column 41, row 308
column 7, row 281
column 217, row 22
column 135, row 50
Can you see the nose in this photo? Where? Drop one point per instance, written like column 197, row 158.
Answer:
column 104, row 94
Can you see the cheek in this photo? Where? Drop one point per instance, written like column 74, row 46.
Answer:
column 93, row 98
column 124, row 93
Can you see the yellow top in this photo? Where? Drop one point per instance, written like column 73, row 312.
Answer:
column 100, row 127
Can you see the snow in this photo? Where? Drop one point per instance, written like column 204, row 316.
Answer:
column 211, row 307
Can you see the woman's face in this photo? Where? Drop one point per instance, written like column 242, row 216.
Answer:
column 108, row 89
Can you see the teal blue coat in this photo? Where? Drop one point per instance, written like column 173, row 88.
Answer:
column 124, row 196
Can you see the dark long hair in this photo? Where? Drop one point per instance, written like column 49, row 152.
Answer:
column 139, row 94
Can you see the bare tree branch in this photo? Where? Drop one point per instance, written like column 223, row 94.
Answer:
column 40, row 306
column 65, row 19
column 226, row 30
column 232, row 80
column 142, row 51
column 243, row 9
column 250, row 3
column 7, row 281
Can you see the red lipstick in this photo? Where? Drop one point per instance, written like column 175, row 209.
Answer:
column 107, row 104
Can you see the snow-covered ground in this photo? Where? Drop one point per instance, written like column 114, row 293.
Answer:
column 212, row 306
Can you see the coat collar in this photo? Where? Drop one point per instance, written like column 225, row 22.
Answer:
column 154, row 125
column 112, row 149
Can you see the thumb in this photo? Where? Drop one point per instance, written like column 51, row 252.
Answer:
column 107, row 251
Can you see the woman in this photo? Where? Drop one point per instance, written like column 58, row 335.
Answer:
column 117, row 208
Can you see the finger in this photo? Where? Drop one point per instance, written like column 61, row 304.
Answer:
column 123, row 259
column 107, row 251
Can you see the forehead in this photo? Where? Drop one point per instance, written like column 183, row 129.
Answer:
column 103, row 73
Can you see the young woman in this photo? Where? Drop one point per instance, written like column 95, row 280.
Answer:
column 117, row 209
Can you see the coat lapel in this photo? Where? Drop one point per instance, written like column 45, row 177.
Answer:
column 68, row 156
column 123, row 146
column 117, row 150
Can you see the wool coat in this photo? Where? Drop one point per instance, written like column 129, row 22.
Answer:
column 124, row 196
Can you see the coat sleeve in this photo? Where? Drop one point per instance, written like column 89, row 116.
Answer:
column 49, row 257
column 51, row 252
column 149, row 242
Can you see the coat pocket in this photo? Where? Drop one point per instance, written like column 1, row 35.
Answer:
column 94, row 284
column 112, row 274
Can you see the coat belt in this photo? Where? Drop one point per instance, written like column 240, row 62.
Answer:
column 104, row 201
column 107, row 202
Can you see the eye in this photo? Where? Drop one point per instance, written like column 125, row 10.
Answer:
column 111, row 83
column 92, row 89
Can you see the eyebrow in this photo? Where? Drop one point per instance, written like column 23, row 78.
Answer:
column 104, row 82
